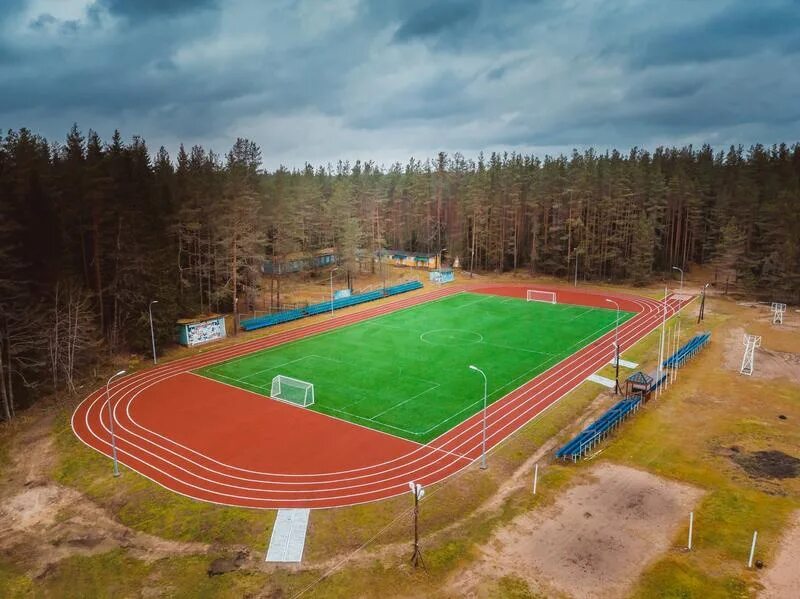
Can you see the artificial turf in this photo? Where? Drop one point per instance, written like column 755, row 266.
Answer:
column 407, row 373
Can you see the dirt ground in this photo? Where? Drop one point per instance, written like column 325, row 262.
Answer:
column 782, row 579
column 594, row 542
column 46, row 522
column 768, row 363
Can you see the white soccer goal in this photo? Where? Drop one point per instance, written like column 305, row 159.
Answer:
column 536, row 295
column 778, row 310
column 751, row 342
column 292, row 390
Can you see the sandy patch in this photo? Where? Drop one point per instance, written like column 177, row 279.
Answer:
column 42, row 522
column 594, row 542
column 782, row 579
column 769, row 364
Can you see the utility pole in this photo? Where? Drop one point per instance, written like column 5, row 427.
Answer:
column 419, row 493
column 701, row 312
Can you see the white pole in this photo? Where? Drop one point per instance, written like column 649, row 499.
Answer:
column 673, row 351
column 661, row 347
column 152, row 336
column 678, row 344
column 535, row 477
column 691, row 525
column 485, row 387
column 332, row 271
column 111, row 421
column 752, row 549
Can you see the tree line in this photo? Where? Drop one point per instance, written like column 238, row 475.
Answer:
column 91, row 231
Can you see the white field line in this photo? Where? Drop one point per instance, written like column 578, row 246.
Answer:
column 328, row 497
column 115, row 418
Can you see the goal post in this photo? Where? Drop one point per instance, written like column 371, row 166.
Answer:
column 537, row 295
column 290, row 390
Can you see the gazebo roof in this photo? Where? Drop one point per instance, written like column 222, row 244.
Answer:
column 640, row 378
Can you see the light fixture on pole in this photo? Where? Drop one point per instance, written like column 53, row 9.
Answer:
column 419, row 493
column 333, row 270
column 681, row 271
column 152, row 335
column 616, row 346
column 111, row 421
column 485, row 386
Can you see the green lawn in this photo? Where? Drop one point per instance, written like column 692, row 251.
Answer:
column 406, row 373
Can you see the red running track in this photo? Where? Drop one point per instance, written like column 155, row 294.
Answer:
column 225, row 445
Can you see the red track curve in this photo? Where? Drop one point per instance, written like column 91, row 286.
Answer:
column 207, row 451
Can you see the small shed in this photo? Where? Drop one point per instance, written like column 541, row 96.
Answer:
column 639, row 384
column 196, row 331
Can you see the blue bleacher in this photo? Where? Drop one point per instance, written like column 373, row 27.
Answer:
column 269, row 320
column 580, row 445
column 599, row 429
column 694, row 345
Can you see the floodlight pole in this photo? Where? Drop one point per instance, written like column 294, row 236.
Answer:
column 416, row 557
column 616, row 346
column 152, row 335
column 485, row 386
column 334, row 269
column 111, row 421
column 681, row 270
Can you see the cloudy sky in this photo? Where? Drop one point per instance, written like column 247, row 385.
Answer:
column 314, row 80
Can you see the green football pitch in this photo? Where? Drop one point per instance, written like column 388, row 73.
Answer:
column 407, row 373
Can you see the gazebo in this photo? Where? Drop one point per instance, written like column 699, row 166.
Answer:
column 638, row 384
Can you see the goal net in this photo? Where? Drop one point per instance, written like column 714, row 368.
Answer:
column 292, row 390
column 535, row 295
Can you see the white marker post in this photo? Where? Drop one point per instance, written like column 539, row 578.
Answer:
column 752, row 549
column 535, row 477
column 691, row 525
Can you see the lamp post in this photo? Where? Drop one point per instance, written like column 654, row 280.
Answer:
column 111, row 421
column 333, row 270
column 152, row 335
column 419, row 493
column 485, row 385
column 616, row 346
column 681, row 271
column 441, row 251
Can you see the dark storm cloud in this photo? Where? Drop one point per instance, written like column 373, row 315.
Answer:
column 737, row 31
column 385, row 79
column 437, row 18
column 146, row 9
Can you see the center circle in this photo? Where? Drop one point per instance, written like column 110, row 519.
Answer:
column 450, row 337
